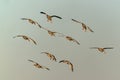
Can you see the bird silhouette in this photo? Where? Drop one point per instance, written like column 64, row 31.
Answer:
column 38, row 65
column 32, row 21
column 67, row 62
column 51, row 56
column 84, row 26
column 49, row 17
column 26, row 38
column 101, row 49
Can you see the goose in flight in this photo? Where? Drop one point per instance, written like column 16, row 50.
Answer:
column 32, row 22
column 38, row 65
column 67, row 62
column 101, row 49
column 84, row 26
column 72, row 39
column 51, row 56
column 49, row 17
column 68, row 38
column 26, row 38
column 52, row 33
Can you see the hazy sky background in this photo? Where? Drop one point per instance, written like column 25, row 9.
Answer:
column 103, row 16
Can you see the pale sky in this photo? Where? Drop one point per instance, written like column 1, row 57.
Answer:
column 102, row 16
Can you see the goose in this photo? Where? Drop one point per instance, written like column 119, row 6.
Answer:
column 72, row 39
column 67, row 62
column 38, row 65
column 49, row 17
column 101, row 49
column 26, row 38
column 84, row 26
column 32, row 21
column 51, row 33
column 51, row 56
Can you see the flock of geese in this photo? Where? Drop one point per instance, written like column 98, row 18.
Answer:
column 54, row 33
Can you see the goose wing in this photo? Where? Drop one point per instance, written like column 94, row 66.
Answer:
column 108, row 48
column 31, row 61
column 56, row 16
column 33, row 41
column 76, row 21
column 90, row 29
column 24, row 18
column 45, row 68
column 42, row 12
column 61, row 61
column 72, row 39
column 19, row 36
column 71, row 66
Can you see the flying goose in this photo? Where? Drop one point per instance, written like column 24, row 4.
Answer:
column 84, row 26
column 51, row 33
column 67, row 62
column 51, row 56
column 49, row 17
column 101, row 49
column 72, row 39
column 38, row 65
column 32, row 21
column 26, row 38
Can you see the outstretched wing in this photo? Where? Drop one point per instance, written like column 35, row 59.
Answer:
column 76, row 41
column 64, row 61
column 31, row 61
column 61, row 61
column 71, row 66
column 38, row 25
column 45, row 52
column 19, row 36
column 76, row 21
column 56, row 16
column 33, row 41
column 90, row 29
column 24, row 18
column 42, row 12
column 108, row 48
column 71, row 39
column 45, row 68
